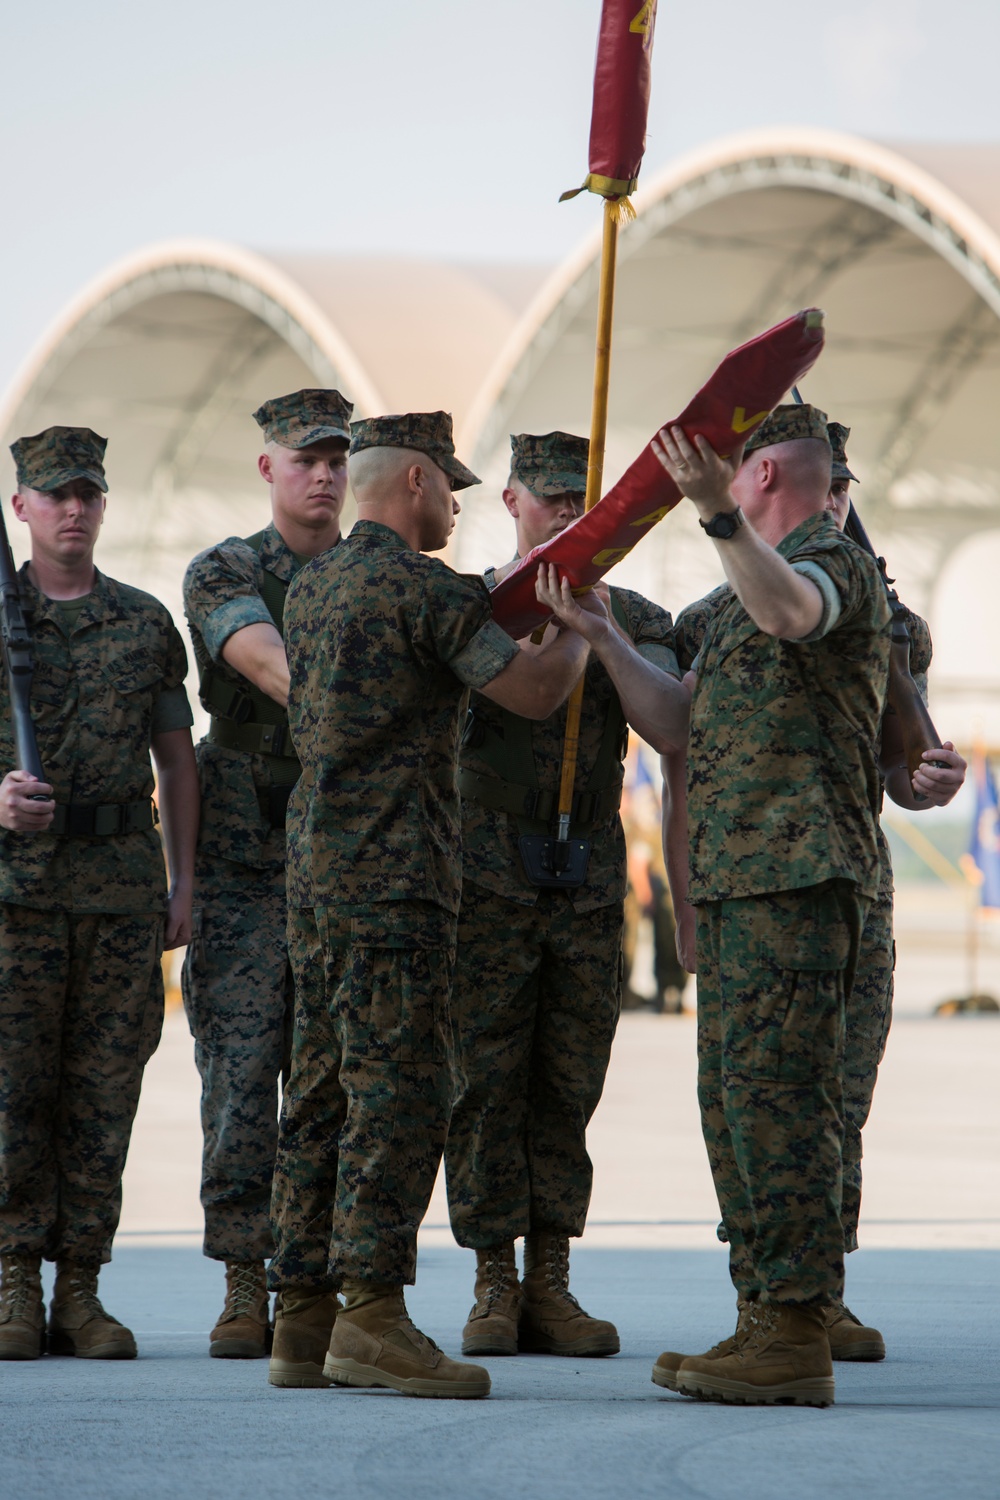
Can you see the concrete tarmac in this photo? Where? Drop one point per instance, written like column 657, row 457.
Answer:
column 923, row 1424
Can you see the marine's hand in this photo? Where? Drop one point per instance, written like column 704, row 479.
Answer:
column 177, row 933
column 696, row 468
column 584, row 613
column 17, row 810
column 938, row 784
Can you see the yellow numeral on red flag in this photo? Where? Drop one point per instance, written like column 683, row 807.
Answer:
column 642, row 22
column 742, row 423
column 610, row 556
column 653, row 517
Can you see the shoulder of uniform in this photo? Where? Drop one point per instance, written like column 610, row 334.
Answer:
column 138, row 601
column 228, row 550
column 706, row 603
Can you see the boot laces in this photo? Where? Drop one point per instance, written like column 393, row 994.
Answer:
column 761, row 1319
column 407, row 1322
column 20, row 1285
column 498, row 1274
column 243, row 1287
column 557, row 1271
column 83, row 1286
column 838, row 1309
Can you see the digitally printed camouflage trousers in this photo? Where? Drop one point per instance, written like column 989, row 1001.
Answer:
column 81, row 1009
column 869, row 1013
column 365, row 1110
column 535, row 1004
column 773, row 973
column 238, row 995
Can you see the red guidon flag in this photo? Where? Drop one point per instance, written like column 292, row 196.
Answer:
column 621, row 98
column 747, row 385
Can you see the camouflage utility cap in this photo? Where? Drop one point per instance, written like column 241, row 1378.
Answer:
column 58, row 455
column 553, row 463
column 787, row 424
column 425, row 431
column 839, row 434
column 305, row 417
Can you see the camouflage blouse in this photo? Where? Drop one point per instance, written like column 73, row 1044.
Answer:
column 383, row 644
column 96, row 703
column 692, row 624
column 783, row 783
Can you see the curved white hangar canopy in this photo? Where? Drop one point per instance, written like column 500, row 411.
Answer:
column 903, row 253
column 170, row 352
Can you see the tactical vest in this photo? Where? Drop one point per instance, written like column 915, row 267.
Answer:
column 245, row 718
column 513, row 787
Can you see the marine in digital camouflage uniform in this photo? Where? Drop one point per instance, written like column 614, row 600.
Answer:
column 383, row 645
column 537, row 986
column 782, row 807
column 84, row 909
column 237, row 980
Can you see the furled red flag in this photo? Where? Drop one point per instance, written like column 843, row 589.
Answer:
column 621, row 98
column 730, row 405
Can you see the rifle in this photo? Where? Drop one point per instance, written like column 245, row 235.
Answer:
column 915, row 723
column 15, row 640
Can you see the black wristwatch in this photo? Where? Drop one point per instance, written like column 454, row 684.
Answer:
column 723, row 524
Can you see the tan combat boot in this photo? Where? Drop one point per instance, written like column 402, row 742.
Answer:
column 78, row 1323
column 492, row 1325
column 22, row 1311
column 849, row 1338
column 784, row 1359
column 552, row 1321
column 666, row 1367
column 303, row 1323
column 242, row 1329
column 375, row 1344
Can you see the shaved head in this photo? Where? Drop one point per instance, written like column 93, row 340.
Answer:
column 781, row 485
column 802, row 465
column 377, row 472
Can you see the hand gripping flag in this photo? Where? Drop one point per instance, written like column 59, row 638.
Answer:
column 621, row 98
column 747, row 385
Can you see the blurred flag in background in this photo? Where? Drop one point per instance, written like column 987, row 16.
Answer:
column 982, row 863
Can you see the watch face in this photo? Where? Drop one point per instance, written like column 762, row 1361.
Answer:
column 724, row 524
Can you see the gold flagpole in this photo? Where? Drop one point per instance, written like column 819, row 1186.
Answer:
column 613, row 210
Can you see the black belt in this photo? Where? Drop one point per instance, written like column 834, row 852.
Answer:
column 255, row 739
column 84, row 820
column 533, row 803
column 274, row 803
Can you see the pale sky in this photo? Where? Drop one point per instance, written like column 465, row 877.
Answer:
column 444, row 128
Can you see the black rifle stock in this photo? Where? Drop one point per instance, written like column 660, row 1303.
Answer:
column 915, row 724
column 17, row 660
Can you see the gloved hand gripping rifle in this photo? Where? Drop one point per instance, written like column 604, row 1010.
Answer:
column 17, row 660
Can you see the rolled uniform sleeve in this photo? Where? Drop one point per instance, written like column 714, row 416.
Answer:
column 490, row 650
column 454, row 625
column 172, row 709
column 222, row 593
column 832, row 607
